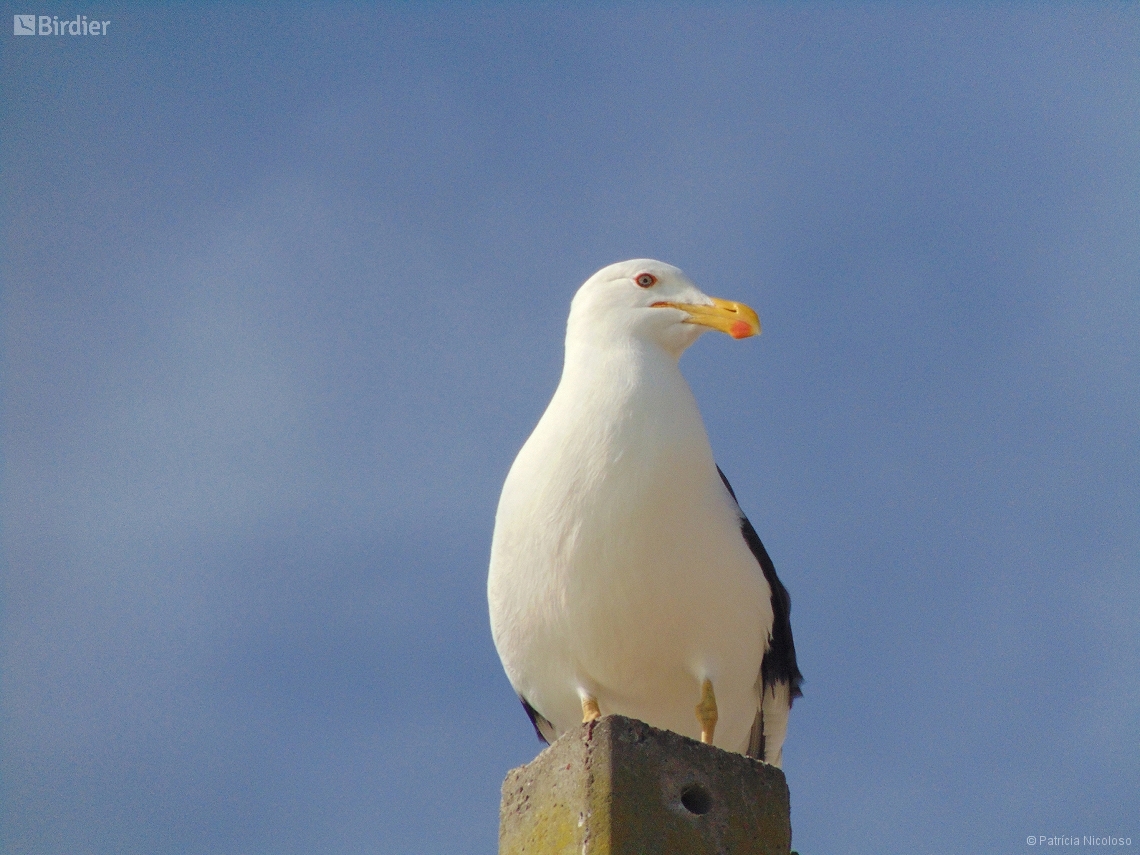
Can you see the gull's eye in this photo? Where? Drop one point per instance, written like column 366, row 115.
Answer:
column 646, row 280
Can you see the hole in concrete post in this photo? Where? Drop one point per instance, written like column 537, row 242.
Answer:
column 696, row 799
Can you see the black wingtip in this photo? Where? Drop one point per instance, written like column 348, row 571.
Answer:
column 543, row 729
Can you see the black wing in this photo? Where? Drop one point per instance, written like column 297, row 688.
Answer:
column 779, row 662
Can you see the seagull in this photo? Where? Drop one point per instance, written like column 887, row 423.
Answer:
column 624, row 577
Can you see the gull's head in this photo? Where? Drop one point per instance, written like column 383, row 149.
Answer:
column 651, row 301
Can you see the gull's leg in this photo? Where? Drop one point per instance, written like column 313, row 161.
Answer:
column 706, row 712
column 590, row 711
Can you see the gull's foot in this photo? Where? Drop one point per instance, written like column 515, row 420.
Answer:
column 706, row 712
column 590, row 711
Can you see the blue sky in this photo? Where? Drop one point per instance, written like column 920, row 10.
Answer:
column 284, row 290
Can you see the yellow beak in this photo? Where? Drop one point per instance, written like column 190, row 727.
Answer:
column 728, row 316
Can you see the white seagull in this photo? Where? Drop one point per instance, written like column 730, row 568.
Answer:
column 624, row 577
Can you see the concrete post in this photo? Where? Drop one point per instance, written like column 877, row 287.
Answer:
column 621, row 787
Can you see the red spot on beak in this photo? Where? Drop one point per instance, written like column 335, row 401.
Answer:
column 740, row 329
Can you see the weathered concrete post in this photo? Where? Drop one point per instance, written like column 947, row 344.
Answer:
column 621, row 787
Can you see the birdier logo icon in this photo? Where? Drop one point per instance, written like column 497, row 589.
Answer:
column 51, row 25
